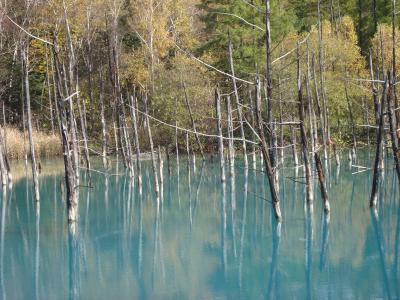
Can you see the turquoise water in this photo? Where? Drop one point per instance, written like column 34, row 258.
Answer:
column 202, row 240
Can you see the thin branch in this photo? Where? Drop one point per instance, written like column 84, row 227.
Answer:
column 240, row 18
column 27, row 32
column 190, row 131
column 212, row 67
column 294, row 49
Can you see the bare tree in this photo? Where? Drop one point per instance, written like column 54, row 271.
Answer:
column 35, row 173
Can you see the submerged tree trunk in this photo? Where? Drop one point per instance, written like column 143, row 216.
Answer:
column 103, row 122
column 84, row 133
column 153, row 159
column 231, row 150
column 253, row 124
column 176, row 135
column 321, row 118
column 126, row 138
column 35, row 173
column 392, row 124
column 310, row 104
column 374, row 90
column 192, row 120
column 70, row 89
column 268, row 83
column 267, row 159
column 3, row 168
column 219, row 130
column 293, row 141
column 322, row 78
column 351, row 119
column 66, row 120
column 366, row 119
column 49, row 94
column 396, row 103
column 238, row 106
column 307, row 166
column 136, row 134
column 375, row 180
column 322, row 184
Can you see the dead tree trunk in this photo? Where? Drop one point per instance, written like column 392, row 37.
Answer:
column 253, row 124
column 53, row 77
column 65, row 121
column 188, row 150
column 392, row 124
column 321, row 75
column 238, row 106
column 396, row 103
column 125, row 136
column 293, row 141
column 49, row 94
column 70, row 91
column 231, row 150
column 3, row 168
column 192, row 120
column 35, row 173
column 281, row 120
column 219, row 130
column 103, row 122
column 307, row 166
column 136, row 134
column 176, row 134
column 322, row 184
column 366, row 119
column 160, row 167
column 310, row 104
column 374, row 89
column 153, row 159
column 375, row 180
column 321, row 118
column 351, row 119
column 84, row 133
column 266, row 158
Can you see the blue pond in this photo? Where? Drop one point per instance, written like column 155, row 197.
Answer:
column 202, row 239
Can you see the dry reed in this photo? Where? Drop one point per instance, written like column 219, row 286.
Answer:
column 46, row 145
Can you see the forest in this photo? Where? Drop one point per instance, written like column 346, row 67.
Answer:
column 272, row 76
column 185, row 142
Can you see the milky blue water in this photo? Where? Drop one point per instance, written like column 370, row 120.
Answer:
column 202, row 240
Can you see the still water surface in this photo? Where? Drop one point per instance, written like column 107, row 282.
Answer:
column 204, row 240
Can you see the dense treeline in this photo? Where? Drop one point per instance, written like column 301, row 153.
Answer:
column 119, row 77
column 152, row 45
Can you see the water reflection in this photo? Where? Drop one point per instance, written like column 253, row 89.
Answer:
column 272, row 291
column 309, row 241
column 243, row 228
column 4, row 201
column 37, row 250
column 203, row 239
column 380, row 245
column 223, row 230
column 73, row 261
column 324, row 242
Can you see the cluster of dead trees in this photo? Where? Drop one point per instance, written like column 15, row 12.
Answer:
column 249, row 113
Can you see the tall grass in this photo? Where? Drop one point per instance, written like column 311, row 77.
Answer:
column 46, row 145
